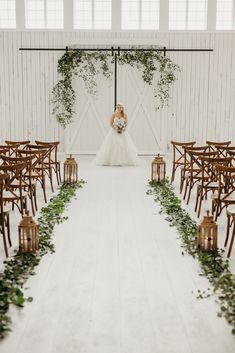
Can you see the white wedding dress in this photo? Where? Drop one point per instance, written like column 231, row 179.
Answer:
column 117, row 149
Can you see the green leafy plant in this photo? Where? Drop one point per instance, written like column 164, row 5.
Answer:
column 212, row 264
column 87, row 65
column 22, row 265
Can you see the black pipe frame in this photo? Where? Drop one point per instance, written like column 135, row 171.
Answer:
column 116, row 52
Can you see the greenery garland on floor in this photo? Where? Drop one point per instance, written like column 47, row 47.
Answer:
column 21, row 266
column 213, row 265
column 87, row 65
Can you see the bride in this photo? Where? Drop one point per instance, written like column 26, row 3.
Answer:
column 117, row 147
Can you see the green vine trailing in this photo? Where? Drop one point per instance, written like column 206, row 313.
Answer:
column 22, row 265
column 213, row 265
column 87, row 65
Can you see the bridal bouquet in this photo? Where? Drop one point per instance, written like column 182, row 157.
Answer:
column 120, row 126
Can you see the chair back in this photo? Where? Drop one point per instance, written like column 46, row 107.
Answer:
column 226, row 179
column 179, row 155
column 18, row 143
column 213, row 145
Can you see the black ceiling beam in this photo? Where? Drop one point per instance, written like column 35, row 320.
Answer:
column 116, row 49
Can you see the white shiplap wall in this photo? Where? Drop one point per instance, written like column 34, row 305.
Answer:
column 202, row 105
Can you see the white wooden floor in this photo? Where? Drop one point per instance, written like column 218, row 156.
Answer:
column 118, row 282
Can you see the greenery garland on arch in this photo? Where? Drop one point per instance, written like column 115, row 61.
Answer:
column 87, row 65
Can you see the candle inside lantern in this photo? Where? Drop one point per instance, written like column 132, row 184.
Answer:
column 207, row 234
column 28, row 234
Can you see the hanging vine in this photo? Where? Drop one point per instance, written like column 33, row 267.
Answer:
column 87, row 65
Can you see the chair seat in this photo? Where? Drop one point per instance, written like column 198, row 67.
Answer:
column 213, row 184
column 223, row 197
column 16, row 184
column 6, row 209
column 197, row 175
column 33, row 175
column 57, row 162
column 7, row 195
column 231, row 210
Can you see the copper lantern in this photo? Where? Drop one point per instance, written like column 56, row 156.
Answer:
column 207, row 234
column 70, row 171
column 158, row 172
column 28, row 234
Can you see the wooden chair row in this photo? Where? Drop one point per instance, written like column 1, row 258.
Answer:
column 25, row 165
column 51, row 162
column 211, row 170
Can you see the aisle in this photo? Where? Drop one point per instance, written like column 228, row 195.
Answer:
column 118, row 282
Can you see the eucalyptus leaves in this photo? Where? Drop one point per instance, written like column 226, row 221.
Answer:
column 213, row 265
column 21, row 266
column 87, row 65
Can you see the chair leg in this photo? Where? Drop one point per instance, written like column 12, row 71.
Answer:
column 34, row 190
column 200, row 203
column 4, row 237
column 173, row 173
column 186, row 188
column 51, row 180
column 32, row 204
column 22, row 206
column 213, row 207
column 182, row 178
column 44, row 189
column 228, row 228
column 198, row 194
column 31, row 196
column 231, row 242
column 25, row 205
column 217, row 211
column 189, row 193
column 7, row 220
column 57, row 173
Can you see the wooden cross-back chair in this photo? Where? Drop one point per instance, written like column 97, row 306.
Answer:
column 45, row 160
column 12, row 149
column 4, row 148
column 209, row 178
column 178, row 155
column 231, row 153
column 37, row 172
column 225, row 150
column 54, row 162
column 3, row 152
column 17, row 143
column 14, row 145
column 226, row 190
column 213, row 145
column 4, row 216
column 187, row 166
column 194, row 174
column 10, row 194
column 28, row 184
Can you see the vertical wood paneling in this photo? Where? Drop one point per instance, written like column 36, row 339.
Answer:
column 202, row 105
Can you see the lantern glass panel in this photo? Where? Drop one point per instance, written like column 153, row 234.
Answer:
column 28, row 235
column 70, row 171
column 207, row 234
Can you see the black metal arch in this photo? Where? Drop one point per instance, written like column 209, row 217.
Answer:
column 116, row 52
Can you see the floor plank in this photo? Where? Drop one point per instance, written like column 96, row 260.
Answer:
column 118, row 282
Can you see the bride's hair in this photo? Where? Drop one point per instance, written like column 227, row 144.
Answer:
column 120, row 105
